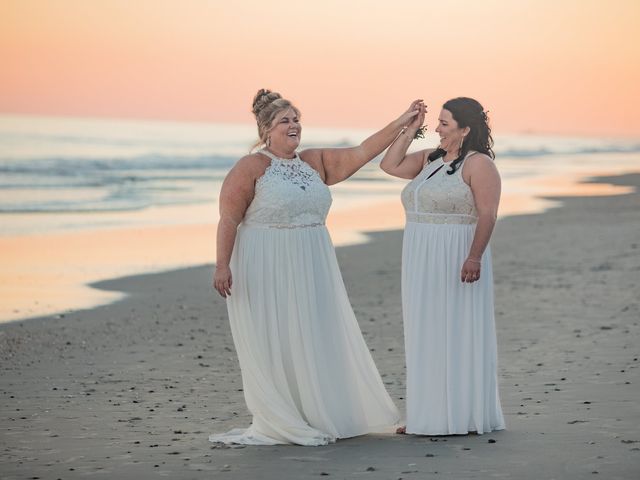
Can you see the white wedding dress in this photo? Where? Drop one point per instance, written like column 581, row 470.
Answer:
column 307, row 374
column 449, row 328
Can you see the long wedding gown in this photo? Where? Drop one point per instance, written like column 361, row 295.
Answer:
column 449, row 327
column 307, row 374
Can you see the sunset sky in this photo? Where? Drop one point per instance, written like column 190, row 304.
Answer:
column 563, row 66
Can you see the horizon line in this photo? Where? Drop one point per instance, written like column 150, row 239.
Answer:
column 97, row 117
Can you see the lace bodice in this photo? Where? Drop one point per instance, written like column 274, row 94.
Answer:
column 439, row 198
column 289, row 194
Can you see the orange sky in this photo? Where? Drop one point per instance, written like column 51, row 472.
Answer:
column 562, row 66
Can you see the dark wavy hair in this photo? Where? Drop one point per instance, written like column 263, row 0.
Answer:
column 468, row 112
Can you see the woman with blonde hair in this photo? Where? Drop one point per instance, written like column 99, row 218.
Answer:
column 307, row 373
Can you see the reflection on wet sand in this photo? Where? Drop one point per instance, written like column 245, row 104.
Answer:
column 46, row 274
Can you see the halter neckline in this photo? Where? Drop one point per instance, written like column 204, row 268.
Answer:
column 272, row 156
column 465, row 157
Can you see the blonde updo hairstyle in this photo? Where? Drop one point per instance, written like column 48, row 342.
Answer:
column 266, row 106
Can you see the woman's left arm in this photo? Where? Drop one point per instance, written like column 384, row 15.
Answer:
column 340, row 163
column 482, row 176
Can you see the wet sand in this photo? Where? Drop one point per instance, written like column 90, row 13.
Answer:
column 133, row 389
column 47, row 271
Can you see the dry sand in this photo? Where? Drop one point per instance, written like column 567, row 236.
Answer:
column 133, row 389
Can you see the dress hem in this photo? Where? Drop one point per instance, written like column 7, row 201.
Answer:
column 386, row 428
column 494, row 429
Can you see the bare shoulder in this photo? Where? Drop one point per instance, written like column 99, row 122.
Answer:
column 479, row 158
column 313, row 156
column 425, row 155
column 478, row 162
column 480, row 166
column 252, row 165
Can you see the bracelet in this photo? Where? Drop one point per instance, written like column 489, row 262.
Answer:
column 474, row 261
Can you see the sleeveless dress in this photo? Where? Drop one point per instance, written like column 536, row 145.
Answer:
column 307, row 374
column 449, row 327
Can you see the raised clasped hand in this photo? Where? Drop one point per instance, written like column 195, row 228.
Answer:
column 413, row 118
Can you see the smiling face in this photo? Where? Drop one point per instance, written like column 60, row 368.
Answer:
column 451, row 134
column 285, row 131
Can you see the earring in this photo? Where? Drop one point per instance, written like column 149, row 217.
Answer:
column 461, row 142
column 268, row 142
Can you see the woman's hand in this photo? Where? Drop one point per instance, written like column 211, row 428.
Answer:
column 222, row 281
column 412, row 117
column 470, row 270
column 418, row 120
column 340, row 163
column 397, row 161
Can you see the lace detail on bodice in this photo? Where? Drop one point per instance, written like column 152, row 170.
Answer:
column 441, row 198
column 290, row 194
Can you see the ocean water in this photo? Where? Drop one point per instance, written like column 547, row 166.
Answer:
column 84, row 200
column 61, row 174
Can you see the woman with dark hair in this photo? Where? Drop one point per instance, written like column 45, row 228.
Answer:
column 307, row 374
column 451, row 205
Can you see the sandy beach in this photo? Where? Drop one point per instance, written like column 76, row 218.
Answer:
column 133, row 389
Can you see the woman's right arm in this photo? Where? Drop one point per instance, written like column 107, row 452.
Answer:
column 396, row 162
column 235, row 196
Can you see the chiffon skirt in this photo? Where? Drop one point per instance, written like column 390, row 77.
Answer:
column 307, row 374
column 450, row 338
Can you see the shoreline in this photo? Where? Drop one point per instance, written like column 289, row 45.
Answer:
column 54, row 274
column 133, row 389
